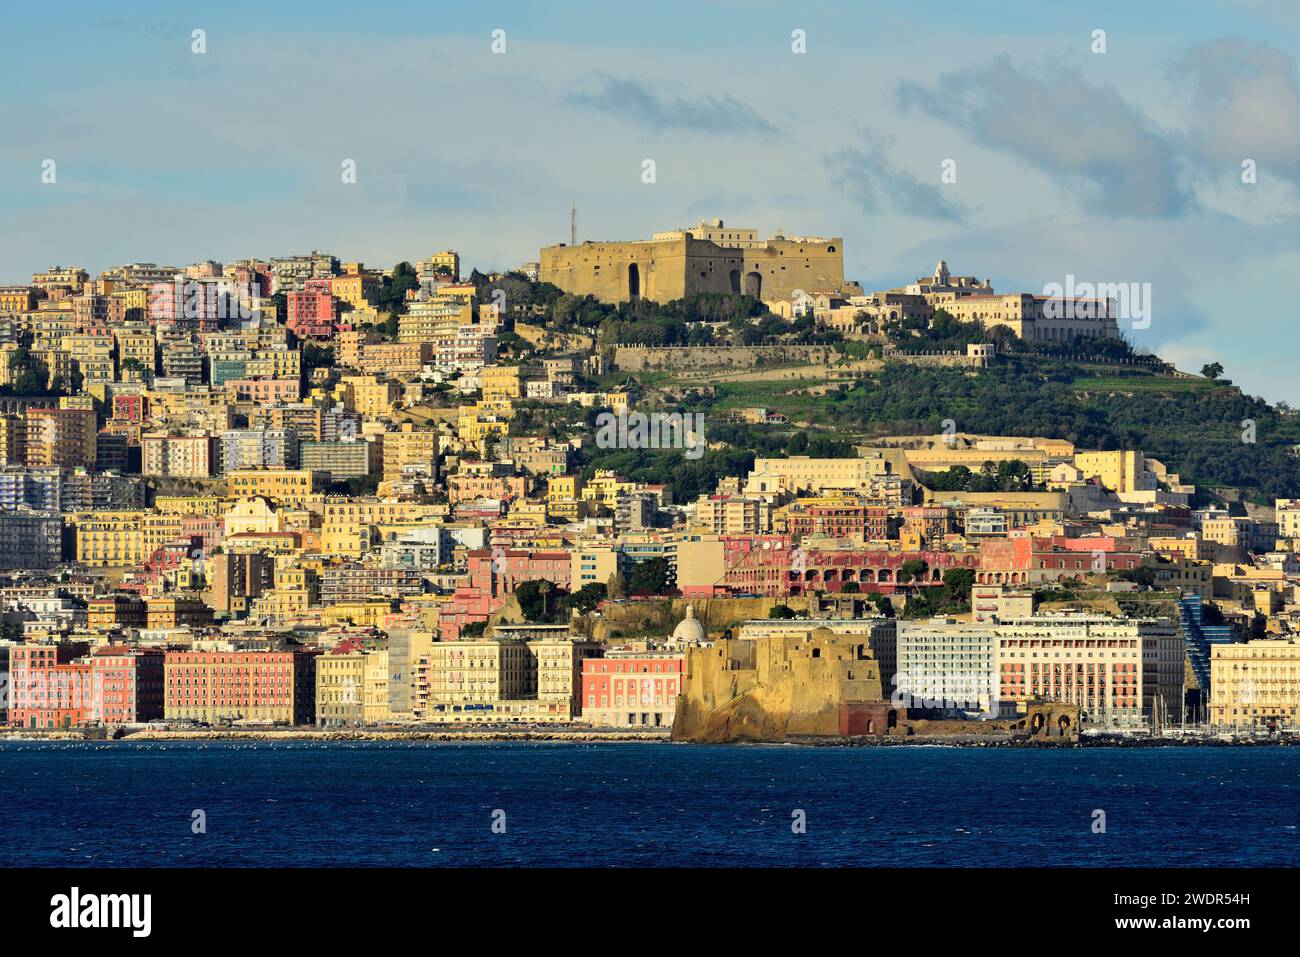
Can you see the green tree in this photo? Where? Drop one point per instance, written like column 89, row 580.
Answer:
column 882, row 603
column 585, row 599
column 649, row 577
column 912, row 568
column 617, row 586
column 533, row 597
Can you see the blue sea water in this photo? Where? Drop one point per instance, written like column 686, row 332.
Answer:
column 434, row 803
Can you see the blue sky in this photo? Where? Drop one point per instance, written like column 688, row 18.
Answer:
column 1115, row 167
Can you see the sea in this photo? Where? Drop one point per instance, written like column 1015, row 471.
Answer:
column 562, row 804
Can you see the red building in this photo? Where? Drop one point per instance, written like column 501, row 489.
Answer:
column 1025, row 560
column 931, row 521
column 467, row 605
column 870, row 569
column 312, row 313
column 494, row 574
column 273, row 687
column 128, row 684
column 131, row 408
column 626, row 689
column 757, row 564
column 499, row 571
column 48, row 686
column 838, row 520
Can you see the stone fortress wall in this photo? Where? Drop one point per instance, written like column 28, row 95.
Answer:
column 677, row 265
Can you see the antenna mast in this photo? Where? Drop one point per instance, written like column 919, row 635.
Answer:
column 573, row 224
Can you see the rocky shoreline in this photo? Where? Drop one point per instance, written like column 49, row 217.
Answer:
column 613, row 736
column 343, row 735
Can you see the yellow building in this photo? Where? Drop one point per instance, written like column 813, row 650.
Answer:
column 1117, row 471
column 92, row 356
column 365, row 614
column 181, row 456
column 283, row 486
column 280, row 605
column 563, row 488
column 189, row 504
column 340, row 689
column 593, row 564
column 251, row 515
column 446, row 262
column 359, row 289
column 375, row 689
column 1179, row 546
column 436, row 318
column 410, row 450
column 700, row 564
column 61, row 437
column 1288, row 517
column 605, row 487
column 479, row 424
column 567, row 510
column 800, row 473
column 280, row 363
column 137, row 346
column 502, row 382
column 349, row 527
column 478, row 672
column 741, row 515
column 107, row 539
column 369, row 395
column 397, row 358
column 1255, row 684
column 14, row 299
column 13, row 435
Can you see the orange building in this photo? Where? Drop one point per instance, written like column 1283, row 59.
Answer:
column 276, row 687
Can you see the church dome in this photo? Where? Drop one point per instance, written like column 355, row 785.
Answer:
column 689, row 630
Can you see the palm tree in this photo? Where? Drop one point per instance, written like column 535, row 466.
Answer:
column 544, row 589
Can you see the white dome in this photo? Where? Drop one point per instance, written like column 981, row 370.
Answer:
column 689, row 630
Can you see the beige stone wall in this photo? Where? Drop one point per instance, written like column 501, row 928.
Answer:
column 685, row 358
column 772, row 688
column 669, row 269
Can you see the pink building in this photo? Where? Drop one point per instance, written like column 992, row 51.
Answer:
column 131, row 408
column 264, row 391
column 494, row 574
column 466, row 606
column 48, row 686
column 632, row 689
column 312, row 312
column 128, row 684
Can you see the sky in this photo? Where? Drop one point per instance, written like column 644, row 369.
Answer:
column 1117, row 166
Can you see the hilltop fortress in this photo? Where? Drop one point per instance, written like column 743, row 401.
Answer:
column 709, row 257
